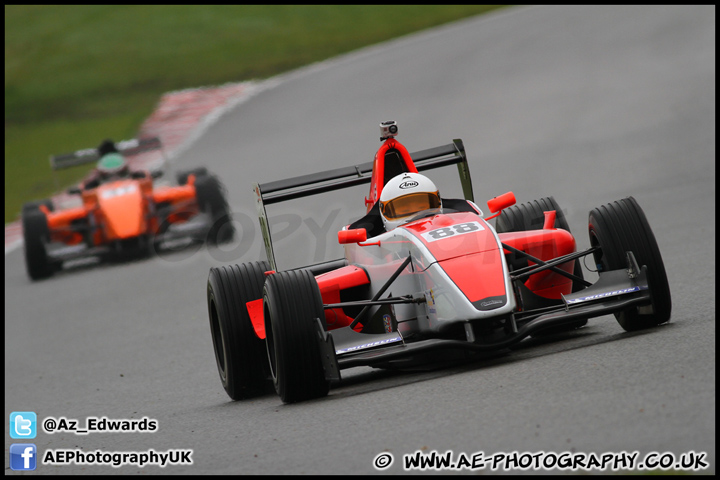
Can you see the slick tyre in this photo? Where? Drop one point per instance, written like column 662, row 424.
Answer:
column 292, row 302
column 211, row 198
column 617, row 228
column 36, row 234
column 531, row 216
column 241, row 356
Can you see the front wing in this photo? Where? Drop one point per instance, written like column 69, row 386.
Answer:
column 614, row 292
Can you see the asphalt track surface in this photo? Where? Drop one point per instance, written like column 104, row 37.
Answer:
column 588, row 104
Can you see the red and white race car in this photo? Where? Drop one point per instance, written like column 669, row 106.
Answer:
column 424, row 276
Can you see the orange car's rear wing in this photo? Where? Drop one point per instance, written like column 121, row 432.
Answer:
column 88, row 155
column 339, row 178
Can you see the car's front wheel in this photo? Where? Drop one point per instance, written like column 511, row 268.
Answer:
column 292, row 303
column 617, row 228
column 36, row 235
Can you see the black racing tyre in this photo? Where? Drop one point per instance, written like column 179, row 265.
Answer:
column 182, row 176
column 211, row 197
column 292, row 302
column 617, row 228
column 241, row 356
column 530, row 216
column 36, row 234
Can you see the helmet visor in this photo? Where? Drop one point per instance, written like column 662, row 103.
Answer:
column 409, row 204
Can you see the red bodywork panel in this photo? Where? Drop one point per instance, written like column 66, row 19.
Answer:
column 479, row 275
column 257, row 317
column 330, row 284
column 465, row 247
column 175, row 194
column 378, row 176
column 183, row 198
column 59, row 224
column 122, row 206
column 445, row 238
column 545, row 245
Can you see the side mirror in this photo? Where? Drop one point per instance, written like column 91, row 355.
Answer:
column 355, row 235
column 74, row 191
column 501, row 201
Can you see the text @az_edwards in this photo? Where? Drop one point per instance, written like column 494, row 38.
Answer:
column 99, row 424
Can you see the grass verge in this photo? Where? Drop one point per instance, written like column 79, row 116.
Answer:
column 76, row 74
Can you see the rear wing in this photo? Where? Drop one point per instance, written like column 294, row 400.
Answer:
column 339, row 178
column 90, row 155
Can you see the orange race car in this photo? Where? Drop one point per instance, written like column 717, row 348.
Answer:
column 123, row 214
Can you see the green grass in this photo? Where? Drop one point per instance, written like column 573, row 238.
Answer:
column 75, row 75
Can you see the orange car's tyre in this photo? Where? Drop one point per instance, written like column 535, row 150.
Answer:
column 241, row 355
column 182, row 176
column 36, row 234
column 617, row 228
column 292, row 302
column 211, row 197
column 530, row 216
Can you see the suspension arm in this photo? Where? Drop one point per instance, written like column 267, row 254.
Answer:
column 552, row 265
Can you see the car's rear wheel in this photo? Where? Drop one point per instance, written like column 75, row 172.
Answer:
column 531, row 216
column 240, row 354
column 36, row 235
column 211, row 198
column 292, row 302
column 617, row 228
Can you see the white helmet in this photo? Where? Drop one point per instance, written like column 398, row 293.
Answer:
column 406, row 195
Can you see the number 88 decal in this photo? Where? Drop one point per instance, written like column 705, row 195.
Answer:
column 454, row 230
